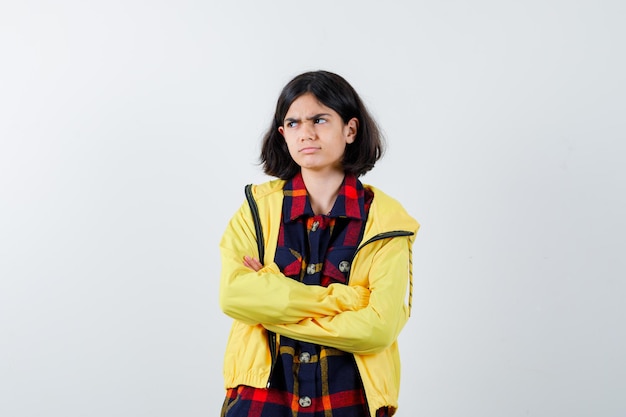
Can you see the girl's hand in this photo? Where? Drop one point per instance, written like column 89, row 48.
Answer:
column 252, row 263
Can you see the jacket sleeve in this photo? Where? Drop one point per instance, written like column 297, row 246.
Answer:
column 268, row 296
column 375, row 327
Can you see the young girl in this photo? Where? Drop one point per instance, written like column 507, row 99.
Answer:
column 316, row 266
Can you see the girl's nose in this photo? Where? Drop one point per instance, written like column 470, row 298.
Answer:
column 307, row 131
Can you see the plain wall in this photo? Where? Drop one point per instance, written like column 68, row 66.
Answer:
column 128, row 130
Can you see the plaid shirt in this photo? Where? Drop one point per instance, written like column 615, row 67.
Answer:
column 310, row 380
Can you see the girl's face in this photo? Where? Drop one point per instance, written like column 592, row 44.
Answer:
column 316, row 136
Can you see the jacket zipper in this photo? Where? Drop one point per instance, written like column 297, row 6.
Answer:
column 384, row 235
column 271, row 336
column 257, row 222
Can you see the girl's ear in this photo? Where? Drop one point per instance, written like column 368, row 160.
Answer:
column 281, row 130
column 351, row 128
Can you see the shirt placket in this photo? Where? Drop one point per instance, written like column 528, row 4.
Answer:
column 307, row 353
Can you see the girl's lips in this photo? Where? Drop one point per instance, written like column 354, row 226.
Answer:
column 308, row 150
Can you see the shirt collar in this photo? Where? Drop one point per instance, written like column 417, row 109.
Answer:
column 350, row 200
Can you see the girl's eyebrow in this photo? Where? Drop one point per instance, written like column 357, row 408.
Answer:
column 315, row 116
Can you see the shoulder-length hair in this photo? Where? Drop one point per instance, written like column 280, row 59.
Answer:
column 335, row 92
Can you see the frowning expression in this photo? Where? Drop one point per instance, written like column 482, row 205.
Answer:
column 316, row 135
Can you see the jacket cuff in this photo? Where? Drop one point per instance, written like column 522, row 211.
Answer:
column 351, row 298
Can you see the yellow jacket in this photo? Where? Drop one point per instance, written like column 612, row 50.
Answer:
column 363, row 317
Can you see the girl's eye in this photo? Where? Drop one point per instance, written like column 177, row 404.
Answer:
column 291, row 124
column 320, row 120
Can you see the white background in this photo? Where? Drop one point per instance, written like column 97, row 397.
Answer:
column 129, row 128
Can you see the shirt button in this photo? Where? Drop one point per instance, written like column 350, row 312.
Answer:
column 310, row 269
column 344, row 266
column 304, row 401
column 315, row 225
column 305, row 357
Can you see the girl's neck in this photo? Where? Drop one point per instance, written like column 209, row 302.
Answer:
column 322, row 189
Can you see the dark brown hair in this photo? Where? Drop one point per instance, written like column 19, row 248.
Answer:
column 332, row 91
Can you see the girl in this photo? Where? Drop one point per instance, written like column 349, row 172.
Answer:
column 315, row 266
